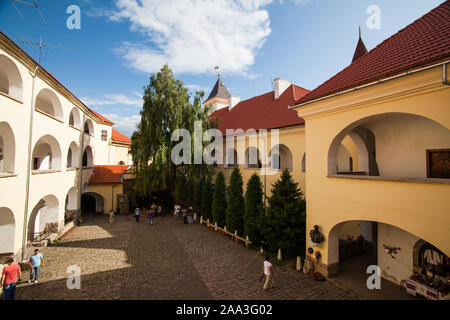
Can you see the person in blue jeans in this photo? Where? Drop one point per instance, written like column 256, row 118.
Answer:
column 9, row 279
column 35, row 265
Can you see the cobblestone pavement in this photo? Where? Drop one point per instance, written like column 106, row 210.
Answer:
column 170, row 260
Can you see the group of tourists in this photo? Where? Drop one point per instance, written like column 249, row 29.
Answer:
column 12, row 274
column 188, row 214
column 151, row 213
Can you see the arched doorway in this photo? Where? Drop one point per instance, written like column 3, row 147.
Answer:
column 92, row 203
column 354, row 245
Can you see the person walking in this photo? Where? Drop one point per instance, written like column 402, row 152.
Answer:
column 150, row 215
column 177, row 210
column 159, row 210
column 268, row 272
column 127, row 215
column 184, row 212
column 9, row 279
column 111, row 216
column 35, row 265
column 190, row 214
column 137, row 213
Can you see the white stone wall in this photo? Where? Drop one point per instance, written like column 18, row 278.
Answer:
column 15, row 112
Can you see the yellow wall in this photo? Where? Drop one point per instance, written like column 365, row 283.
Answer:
column 109, row 193
column 294, row 139
column 418, row 206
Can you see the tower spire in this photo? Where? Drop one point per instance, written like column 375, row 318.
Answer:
column 360, row 47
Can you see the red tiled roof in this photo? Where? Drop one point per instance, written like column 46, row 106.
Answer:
column 423, row 42
column 100, row 116
column 117, row 136
column 262, row 112
column 107, row 174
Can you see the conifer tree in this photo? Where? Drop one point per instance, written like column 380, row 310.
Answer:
column 219, row 204
column 236, row 205
column 253, row 209
column 285, row 219
column 207, row 198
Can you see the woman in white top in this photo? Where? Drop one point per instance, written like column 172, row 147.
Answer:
column 268, row 272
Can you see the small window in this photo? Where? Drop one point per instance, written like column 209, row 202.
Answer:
column 121, row 163
column 35, row 163
column 350, row 164
column 104, row 135
column 438, row 163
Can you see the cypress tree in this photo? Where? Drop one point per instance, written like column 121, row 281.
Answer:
column 236, row 205
column 285, row 219
column 253, row 209
column 219, row 204
column 207, row 198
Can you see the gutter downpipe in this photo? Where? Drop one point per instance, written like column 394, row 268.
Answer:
column 444, row 64
column 27, row 188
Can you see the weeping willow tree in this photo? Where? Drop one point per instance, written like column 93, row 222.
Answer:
column 167, row 107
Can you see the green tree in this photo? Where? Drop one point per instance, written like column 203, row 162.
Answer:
column 236, row 205
column 254, row 209
column 219, row 203
column 167, row 107
column 207, row 198
column 285, row 218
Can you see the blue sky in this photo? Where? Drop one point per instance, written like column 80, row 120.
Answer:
column 108, row 61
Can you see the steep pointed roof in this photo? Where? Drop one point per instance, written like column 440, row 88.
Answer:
column 360, row 48
column 422, row 43
column 219, row 90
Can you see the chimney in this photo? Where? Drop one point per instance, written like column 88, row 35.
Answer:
column 234, row 101
column 280, row 86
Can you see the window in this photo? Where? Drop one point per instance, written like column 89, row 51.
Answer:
column 104, row 135
column 35, row 163
column 350, row 164
column 438, row 163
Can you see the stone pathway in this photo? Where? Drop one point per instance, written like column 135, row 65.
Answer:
column 170, row 260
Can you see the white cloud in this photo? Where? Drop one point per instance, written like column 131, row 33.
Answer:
column 194, row 36
column 125, row 125
column 114, row 99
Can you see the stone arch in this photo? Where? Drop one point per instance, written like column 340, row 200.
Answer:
column 46, row 154
column 44, row 214
column 231, row 159
column 252, row 158
column 88, row 127
column 71, row 204
column 10, row 79
column 7, row 231
column 7, row 148
column 88, row 157
column 280, row 158
column 383, row 140
column 91, row 203
column 73, row 156
column 74, row 118
column 48, row 102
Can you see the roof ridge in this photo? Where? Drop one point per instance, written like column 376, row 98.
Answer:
column 373, row 52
